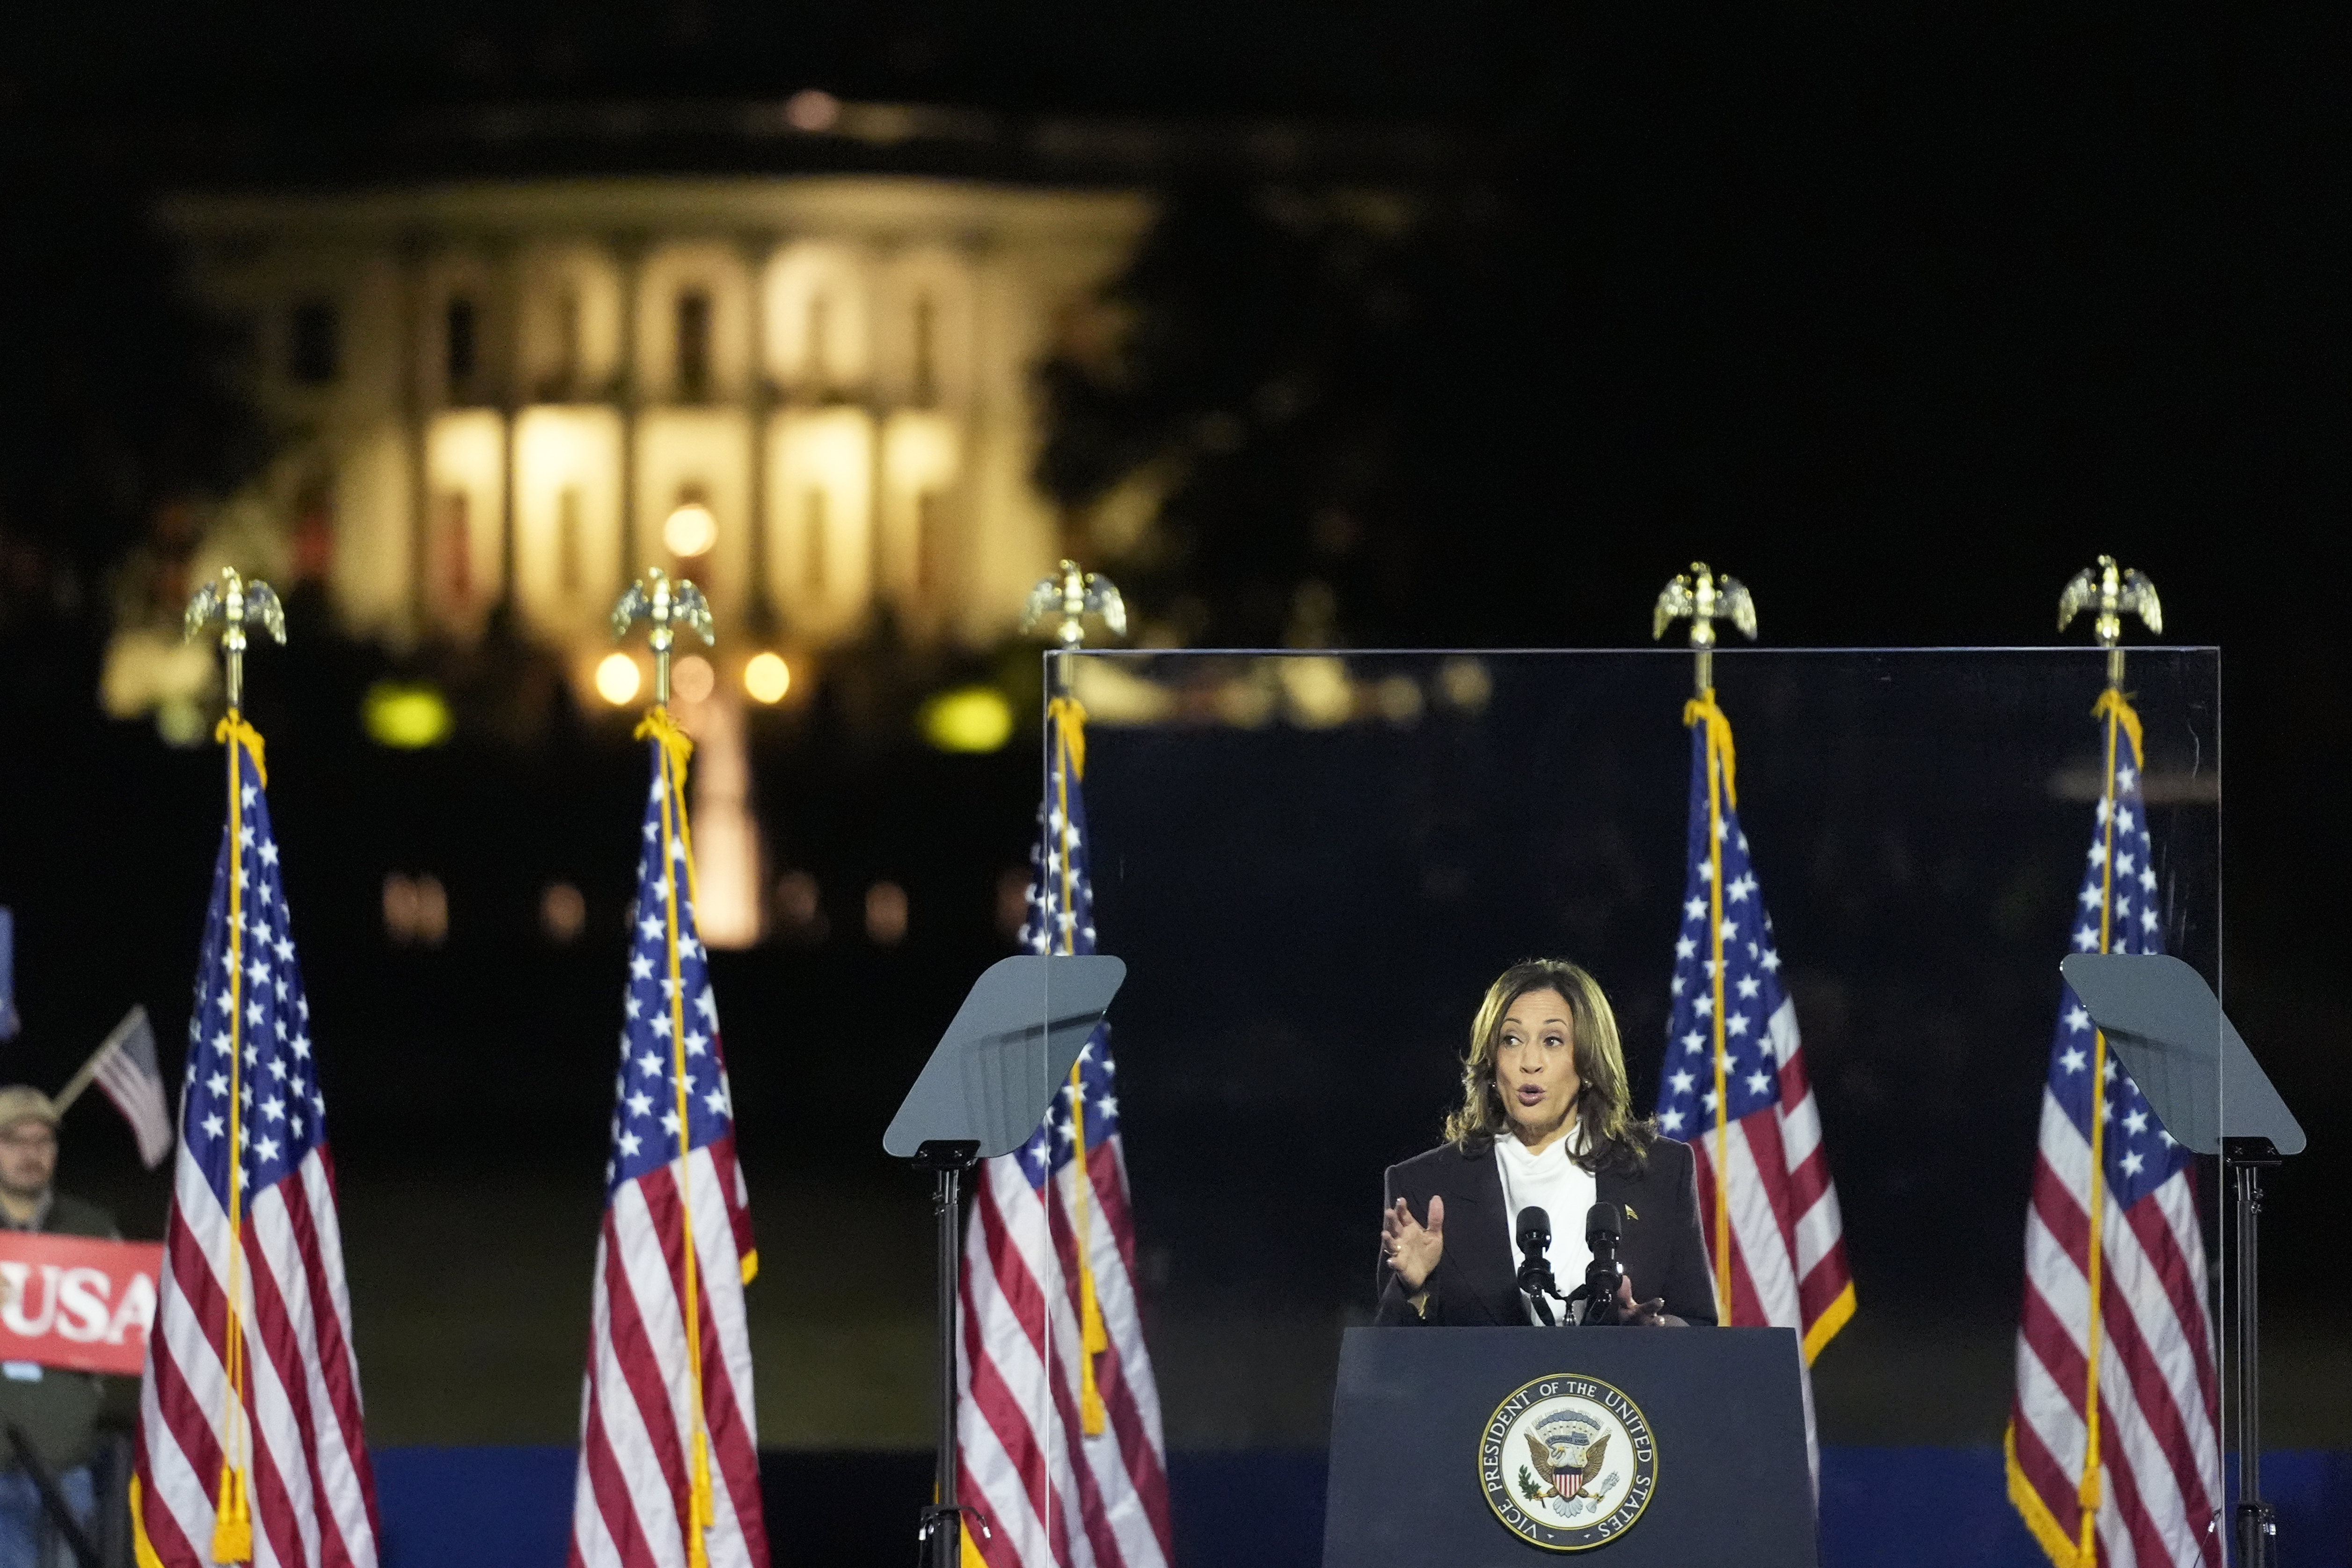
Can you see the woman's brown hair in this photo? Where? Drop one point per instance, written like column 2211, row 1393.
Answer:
column 1608, row 1132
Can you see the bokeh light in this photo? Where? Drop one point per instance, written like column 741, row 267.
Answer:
column 969, row 718
column 690, row 530
column 618, row 678
column 800, row 908
column 406, row 715
column 767, row 677
column 886, row 915
column 692, row 678
column 562, row 912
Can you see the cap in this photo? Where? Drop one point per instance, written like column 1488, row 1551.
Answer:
column 22, row 1102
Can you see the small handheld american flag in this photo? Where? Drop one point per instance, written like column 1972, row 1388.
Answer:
column 125, row 1071
column 669, row 1474
column 250, row 1447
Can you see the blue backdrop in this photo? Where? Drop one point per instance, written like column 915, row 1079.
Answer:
column 1918, row 1508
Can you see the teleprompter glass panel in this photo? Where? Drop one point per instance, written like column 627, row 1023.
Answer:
column 1315, row 863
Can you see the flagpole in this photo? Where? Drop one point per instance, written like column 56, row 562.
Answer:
column 235, row 601
column 1069, row 594
column 89, row 1069
column 2112, row 593
column 670, row 604
column 1705, row 597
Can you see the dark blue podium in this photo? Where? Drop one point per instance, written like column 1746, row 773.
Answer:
column 1625, row 1447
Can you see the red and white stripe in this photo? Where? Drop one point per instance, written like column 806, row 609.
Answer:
column 629, row 1507
column 1052, row 1495
column 2160, row 1463
column 138, row 1093
column 311, row 1492
column 1788, row 1241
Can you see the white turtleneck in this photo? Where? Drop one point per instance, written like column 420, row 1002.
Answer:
column 1563, row 1190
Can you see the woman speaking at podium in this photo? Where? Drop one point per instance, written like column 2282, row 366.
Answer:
column 1544, row 1123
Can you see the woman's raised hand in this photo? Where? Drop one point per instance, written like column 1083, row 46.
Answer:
column 1649, row 1314
column 1410, row 1248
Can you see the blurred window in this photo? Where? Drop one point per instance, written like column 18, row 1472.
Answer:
column 313, row 343
column 693, row 345
column 930, row 543
column 815, row 368
column 926, row 376
column 567, row 539
column 813, row 524
column 564, row 378
column 461, row 344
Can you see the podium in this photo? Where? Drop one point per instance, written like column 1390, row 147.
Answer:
column 1510, row 1447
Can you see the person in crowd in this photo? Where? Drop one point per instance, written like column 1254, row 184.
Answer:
column 59, row 1411
column 1546, row 1122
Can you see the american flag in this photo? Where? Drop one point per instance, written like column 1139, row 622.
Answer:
column 249, row 1445
column 1057, row 1418
column 126, row 1073
column 1734, row 1084
column 669, row 1474
column 2140, row 1480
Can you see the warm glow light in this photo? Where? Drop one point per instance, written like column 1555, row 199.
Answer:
column 885, row 913
column 562, row 912
column 405, row 717
column 692, row 677
column 767, row 677
column 690, row 530
column 969, row 718
column 618, row 678
column 812, row 108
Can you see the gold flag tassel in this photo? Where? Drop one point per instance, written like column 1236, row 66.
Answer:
column 1069, row 721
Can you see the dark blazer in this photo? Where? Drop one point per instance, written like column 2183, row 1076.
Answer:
column 1475, row 1284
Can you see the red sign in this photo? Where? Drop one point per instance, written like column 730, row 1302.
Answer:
column 73, row 1302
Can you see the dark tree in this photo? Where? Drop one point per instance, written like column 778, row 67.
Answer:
column 1337, row 397
column 120, row 398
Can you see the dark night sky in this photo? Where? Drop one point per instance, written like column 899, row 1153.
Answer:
column 1900, row 316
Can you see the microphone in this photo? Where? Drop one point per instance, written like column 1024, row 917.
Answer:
column 1604, row 1226
column 1535, row 1267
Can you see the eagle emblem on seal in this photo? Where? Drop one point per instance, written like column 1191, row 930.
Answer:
column 1565, row 1472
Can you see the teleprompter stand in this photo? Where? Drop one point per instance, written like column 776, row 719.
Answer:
column 987, row 1085
column 2212, row 1095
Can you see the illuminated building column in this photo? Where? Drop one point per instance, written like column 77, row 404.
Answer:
column 698, row 455
column 567, row 519
column 820, row 512
column 919, row 516
column 465, row 459
column 368, row 574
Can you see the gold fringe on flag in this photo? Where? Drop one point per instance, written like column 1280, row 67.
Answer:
column 1069, row 720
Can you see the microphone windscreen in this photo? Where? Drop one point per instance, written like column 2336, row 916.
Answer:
column 1534, row 1229
column 1604, row 1220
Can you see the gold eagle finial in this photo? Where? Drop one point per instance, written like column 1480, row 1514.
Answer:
column 1705, row 597
column 668, row 605
column 237, row 601
column 2111, row 592
column 1069, row 596
column 1072, row 595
